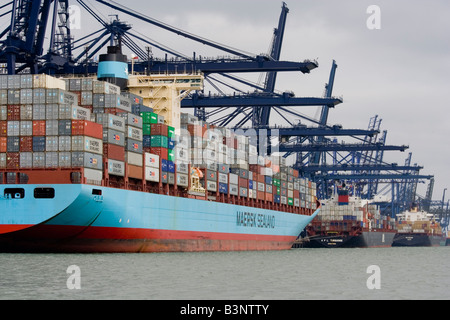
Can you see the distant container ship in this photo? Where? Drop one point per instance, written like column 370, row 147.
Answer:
column 86, row 167
column 348, row 222
column 418, row 228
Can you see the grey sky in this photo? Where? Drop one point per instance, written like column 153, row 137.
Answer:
column 399, row 72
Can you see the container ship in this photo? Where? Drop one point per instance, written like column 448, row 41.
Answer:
column 88, row 165
column 348, row 222
column 418, row 228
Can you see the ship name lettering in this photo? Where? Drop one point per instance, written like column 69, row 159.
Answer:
column 255, row 220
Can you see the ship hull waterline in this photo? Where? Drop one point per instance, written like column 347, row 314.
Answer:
column 367, row 239
column 85, row 218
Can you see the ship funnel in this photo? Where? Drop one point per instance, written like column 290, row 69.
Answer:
column 113, row 67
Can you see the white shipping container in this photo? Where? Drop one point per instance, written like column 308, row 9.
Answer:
column 134, row 158
column 93, row 175
column 26, row 160
column 46, row 81
column 69, row 112
column 88, row 144
column 51, row 143
column 233, row 178
column 182, row 180
column 26, row 112
column 152, row 174
column 151, row 160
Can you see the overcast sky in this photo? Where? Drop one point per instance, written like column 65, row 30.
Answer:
column 399, row 72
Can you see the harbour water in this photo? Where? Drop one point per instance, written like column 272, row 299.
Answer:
column 317, row 274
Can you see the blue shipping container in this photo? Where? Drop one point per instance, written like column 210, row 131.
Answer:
column 268, row 179
column 164, row 165
column 276, row 198
column 223, row 188
column 170, row 166
column 38, row 144
column 250, row 184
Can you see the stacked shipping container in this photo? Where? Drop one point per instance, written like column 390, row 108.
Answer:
column 110, row 138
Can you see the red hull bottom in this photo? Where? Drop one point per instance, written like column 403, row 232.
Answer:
column 45, row 238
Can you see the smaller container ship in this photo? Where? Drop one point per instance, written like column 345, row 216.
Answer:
column 348, row 222
column 418, row 228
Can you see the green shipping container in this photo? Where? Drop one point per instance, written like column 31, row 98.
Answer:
column 171, row 132
column 278, row 190
column 171, row 155
column 276, row 182
column 149, row 117
column 159, row 141
column 146, row 129
column 291, row 201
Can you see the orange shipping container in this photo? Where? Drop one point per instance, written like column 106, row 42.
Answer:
column 39, row 128
column 3, row 144
column 260, row 195
column 134, row 171
column 269, row 197
column 3, row 128
column 87, row 128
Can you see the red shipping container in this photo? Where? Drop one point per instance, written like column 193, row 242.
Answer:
column 260, row 195
column 87, row 128
column 159, row 129
column 39, row 128
column 162, row 152
column 3, row 144
column 3, row 128
column 26, row 144
column 13, row 112
column 296, row 194
column 12, row 160
column 269, row 197
column 243, row 182
column 114, row 152
column 295, row 173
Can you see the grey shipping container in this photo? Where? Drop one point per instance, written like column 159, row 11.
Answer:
column 26, row 160
column 26, row 112
column 12, row 144
column 38, row 159
column 211, row 186
column 133, row 158
column 65, row 159
column 52, row 111
column 133, row 145
column 51, row 127
column 132, row 120
column 26, row 128
column 26, row 96
column 64, row 127
column 2, row 160
column 51, row 143
column 26, row 81
column 233, row 189
column 114, row 137
column 116, row 167
column 39, row 96
column 39, row 111
column 86, row 98
column 13, row 96
column 111, row 121
column 87, row 160
column 65, row 143
column 4, row 97
column 171, row 178
column 51, row 159
column 182, row 167
column 182, row 180
column 13, row 128
column 151, row 174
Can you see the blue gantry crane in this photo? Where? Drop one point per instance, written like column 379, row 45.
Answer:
column 319, row 155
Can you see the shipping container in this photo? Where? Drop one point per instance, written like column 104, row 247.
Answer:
column 87, row 128
column 114, row 152
column 152, row 174
column 115, row 167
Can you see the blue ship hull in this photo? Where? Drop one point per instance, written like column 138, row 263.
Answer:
column 86, row 218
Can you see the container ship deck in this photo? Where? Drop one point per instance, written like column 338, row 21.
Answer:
column 87, row 167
